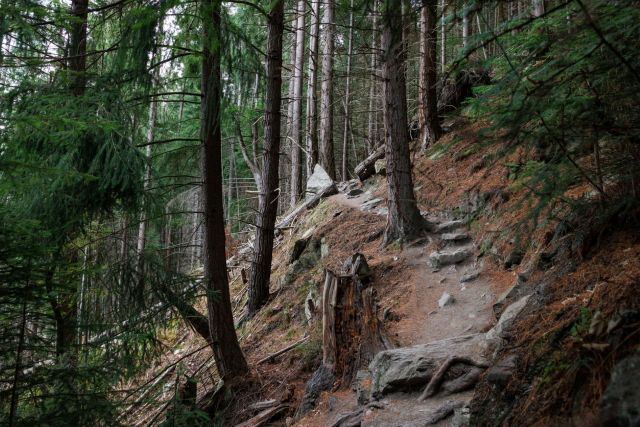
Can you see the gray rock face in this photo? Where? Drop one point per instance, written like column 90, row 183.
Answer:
column 362, row 386
column 410, row 368
column 450, row 226
column 370, row 204
column 498, row 333
column 355, row 192
column 324, row 248
column 441, row 258
column 620, row 405
column 317, row 182
column 321, row 380
column 511, row 295
column 457, row 236
column 381, row 167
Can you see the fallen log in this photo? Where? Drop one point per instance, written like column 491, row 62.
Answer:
column 263, row 417
column 367, row 167
column 307, row 204
column 283, row 351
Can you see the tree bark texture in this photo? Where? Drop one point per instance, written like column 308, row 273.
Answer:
column 327, row 160
column 352, row 332
column 347, row 105
column 403, row 220
column 296, row 119
column 430, row 129
column 230, row 361
column 267, row 211
column 312, row 97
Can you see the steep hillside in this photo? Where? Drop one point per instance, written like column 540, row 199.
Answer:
column 548, row 360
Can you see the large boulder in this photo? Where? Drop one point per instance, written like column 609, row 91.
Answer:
column 411, row 368
column 620, row 405
column 318, row 181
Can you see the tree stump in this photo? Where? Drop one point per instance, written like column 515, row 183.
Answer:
column 352, row 331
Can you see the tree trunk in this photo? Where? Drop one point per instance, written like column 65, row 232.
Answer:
column 230, row 361
column 312, row 99
column 64, row 306
column 142, row 227
column 265, row 222
column 78, row 46
column 443, row 37
column 538, row 8
column 352, row 333
column 347, row 95
column 372, row 132
column 430, row 129
column 296, row 119
column 327, row 160
column 465, row 26
column 404, row 220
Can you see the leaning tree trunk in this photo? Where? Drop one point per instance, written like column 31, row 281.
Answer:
column 296, row 131
column 265, row 222
column 403, row 220
column 312, row 98
column 327, row 160
column 230, row 361
column 430, row 129
column 347, row 95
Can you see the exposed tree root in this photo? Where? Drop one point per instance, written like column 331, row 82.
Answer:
column 438, row 377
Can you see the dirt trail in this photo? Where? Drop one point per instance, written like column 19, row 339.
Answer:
column 422, row 320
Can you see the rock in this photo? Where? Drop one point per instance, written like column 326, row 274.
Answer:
column 370, row 204
column 358, row 260
column 450, row 226
column 498, row 333
column 381, row 167
column 514, row 258
column 470, row 275
column 501, row 372
column 354, row 193
column 457, row 236
column 362, row 386
column 511, row 295
column 461, row 417
column 445, row 300
column 324, row 248
column 298, row 248
column 317, row 182
column 311, row 303
column 410, row 368
column 383, row 211
column 446, row 257
column 321, row 380
column 620, row 404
